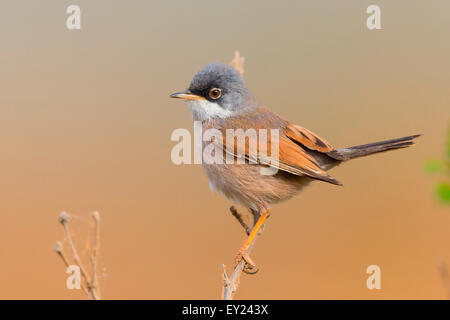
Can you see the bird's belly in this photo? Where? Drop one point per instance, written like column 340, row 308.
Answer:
column 245, row 185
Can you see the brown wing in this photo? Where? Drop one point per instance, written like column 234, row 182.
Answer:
column 292, row 157
column 307, row 138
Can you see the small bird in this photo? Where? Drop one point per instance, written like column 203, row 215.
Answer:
column 218, row 97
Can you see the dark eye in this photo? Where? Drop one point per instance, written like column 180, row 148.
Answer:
column 215, row 93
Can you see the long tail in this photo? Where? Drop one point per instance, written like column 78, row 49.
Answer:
column 366, row 149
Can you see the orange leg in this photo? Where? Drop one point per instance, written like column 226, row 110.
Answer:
column 243, row 252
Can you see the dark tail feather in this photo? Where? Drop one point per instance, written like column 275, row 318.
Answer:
column 366, row 149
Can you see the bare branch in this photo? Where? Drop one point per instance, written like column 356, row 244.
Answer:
column 226, row 280
column 238, row 62
column 231, row 283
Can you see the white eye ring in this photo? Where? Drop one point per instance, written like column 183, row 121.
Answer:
column 215, row 93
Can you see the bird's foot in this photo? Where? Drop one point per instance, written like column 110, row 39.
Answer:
column 250, row 267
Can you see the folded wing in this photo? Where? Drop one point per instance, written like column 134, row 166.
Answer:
column 293, row 140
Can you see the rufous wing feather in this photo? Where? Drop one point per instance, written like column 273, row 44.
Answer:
column 307, row 138
column 292, row 158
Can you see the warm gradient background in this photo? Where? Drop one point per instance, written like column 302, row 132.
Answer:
column 85, row 124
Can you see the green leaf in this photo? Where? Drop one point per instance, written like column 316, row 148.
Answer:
column 443, row 192
column 433, row 166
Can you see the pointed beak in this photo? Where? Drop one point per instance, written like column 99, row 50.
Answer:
column 186, row 95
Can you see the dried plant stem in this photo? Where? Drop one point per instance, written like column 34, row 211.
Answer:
column 60, row 252
column 231, row 283
column 91, row 282
column 95, row 249
column 238, row 62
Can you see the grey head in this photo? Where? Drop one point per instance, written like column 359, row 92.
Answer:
column 217, row 91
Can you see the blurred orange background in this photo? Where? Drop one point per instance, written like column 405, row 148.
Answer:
column 85, row 124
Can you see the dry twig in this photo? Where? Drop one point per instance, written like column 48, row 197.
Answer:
column 90, row 284
column 238, row 62
column 231, row 283
column 95, row 249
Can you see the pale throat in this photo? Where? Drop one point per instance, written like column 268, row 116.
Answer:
column 204, row 109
